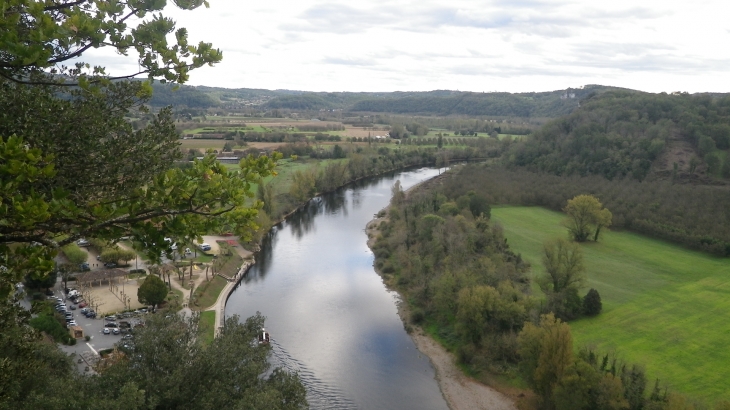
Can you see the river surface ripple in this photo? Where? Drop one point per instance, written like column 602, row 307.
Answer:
column 329, row 314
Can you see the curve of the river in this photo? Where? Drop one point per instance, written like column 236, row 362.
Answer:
column 330, row 316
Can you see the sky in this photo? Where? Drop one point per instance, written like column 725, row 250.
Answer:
column 467, row 45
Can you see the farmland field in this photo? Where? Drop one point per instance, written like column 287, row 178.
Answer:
column 665, row 307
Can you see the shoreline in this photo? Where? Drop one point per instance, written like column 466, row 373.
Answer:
column 459, row 390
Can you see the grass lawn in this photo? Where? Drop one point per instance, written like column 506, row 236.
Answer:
column 664, row 306
column 207, row 326
column 207, row 293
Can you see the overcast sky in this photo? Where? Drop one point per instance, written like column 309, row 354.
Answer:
column 468, row 45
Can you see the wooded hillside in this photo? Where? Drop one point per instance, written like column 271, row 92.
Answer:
column 622, row 133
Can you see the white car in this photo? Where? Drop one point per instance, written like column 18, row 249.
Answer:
column 82, row 242
column 204, row 247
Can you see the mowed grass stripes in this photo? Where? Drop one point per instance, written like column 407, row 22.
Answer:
column 665, row 307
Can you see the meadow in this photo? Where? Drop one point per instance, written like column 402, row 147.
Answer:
column 664, row 307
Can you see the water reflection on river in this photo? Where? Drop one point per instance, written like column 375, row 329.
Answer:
column 328, row 312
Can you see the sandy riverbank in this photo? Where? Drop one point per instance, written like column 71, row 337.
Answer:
column 460, row 391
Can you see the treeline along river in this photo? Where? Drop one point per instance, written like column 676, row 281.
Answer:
column 330, row 316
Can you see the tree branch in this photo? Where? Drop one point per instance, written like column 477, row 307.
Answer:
column 64, row 5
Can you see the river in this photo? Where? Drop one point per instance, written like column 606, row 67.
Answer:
column 330, row 316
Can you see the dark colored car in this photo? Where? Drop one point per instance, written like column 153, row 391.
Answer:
column 112, row 325
column 73, row 307
column 110, row 265
column 84, row 267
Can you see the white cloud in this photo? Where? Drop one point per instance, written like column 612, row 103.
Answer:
column 502, row 45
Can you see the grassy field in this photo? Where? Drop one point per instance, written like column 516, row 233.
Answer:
column 665, row 307
column 207, row 293
column 207, row 326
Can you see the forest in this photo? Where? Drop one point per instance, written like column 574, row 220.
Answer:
column 621, row 134
column 431, row 103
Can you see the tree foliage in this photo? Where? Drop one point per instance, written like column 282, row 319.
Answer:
column 625, row 133
column 40, row 36
column 564, row 266
column 546, row 353
column 152, row 291
column 168, row 353
column 586, row 217
column 592, row 305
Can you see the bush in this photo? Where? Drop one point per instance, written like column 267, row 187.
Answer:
column 592, row 303
column 465, row 353
column 51, row 326
column 87, row 338
column 417, row 316
column 71, row 341
column 74, row 254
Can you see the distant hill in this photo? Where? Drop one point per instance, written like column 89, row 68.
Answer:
column 621, row 133
column 439, row 102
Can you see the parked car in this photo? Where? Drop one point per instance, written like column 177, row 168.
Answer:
column 83, row 304
column 73, row 323
column 115, row 331
column 204, row 247
column 91, row 314
column 73, row 307
column 84, row 310
column 84, row 267
column 110, row 265
column 110, row 318
column 107, row 331
column 83, row 242
column 49, row 292
column 111, row 324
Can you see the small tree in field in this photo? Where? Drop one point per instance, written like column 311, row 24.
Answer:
column 592, row 303
column 586, row 217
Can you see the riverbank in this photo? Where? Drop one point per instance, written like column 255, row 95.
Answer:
column 459, row 391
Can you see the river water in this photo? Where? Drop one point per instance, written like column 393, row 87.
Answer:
column 329, row 314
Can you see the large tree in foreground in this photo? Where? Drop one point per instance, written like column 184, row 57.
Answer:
column 52, row 36
column 178, row 371
column 71, row 167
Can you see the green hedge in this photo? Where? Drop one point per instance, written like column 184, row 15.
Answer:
column 52, row 327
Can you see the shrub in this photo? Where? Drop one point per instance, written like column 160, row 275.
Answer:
column 417, row 316
column 71, row 341
column 87, row 337
column 592, row 303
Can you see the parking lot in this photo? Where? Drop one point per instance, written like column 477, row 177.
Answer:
column 94, row 328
